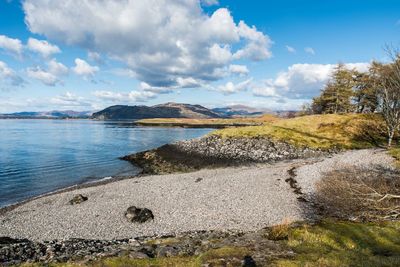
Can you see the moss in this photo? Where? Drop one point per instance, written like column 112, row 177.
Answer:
column 345, row 244
column 395, row 153
column 345, row 131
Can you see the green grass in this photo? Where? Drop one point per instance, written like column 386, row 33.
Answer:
column 348, row 131
column 214, row 257
column 345, row 244
column 395, row 153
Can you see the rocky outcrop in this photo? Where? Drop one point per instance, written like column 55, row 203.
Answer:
column 214, row 151
column 243, row 247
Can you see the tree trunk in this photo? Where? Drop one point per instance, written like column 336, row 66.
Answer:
column 390, row 139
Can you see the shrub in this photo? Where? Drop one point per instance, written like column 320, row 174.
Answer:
column 360, row 194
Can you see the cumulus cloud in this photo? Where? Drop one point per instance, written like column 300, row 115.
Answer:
column 45, row 77
column 9, row 76
column 11, row 45
column 231, row 88
column 238, row 69
column 301, row 81
column 42, row 47
column 131, row 97
column 290, row 49
column 50, row 76
column 180, row 41
column 309, row 50
column 84, row 69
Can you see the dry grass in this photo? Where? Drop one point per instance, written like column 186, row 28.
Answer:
column 240, row 121
column 346, row 131
column 360, row 194
column 280, row 231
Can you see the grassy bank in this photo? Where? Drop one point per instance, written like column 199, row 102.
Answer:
column 195, row 122
column 348, row 131
column 330, row 243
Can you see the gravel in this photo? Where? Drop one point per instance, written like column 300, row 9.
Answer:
column 242, row 198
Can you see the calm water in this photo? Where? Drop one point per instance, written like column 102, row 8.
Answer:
column 38, row 156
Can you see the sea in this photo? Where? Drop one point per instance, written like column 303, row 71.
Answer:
column 40, row 156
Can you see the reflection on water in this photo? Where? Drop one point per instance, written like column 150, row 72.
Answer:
column 38, row 156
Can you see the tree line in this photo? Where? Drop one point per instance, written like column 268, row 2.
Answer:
column 374, row 91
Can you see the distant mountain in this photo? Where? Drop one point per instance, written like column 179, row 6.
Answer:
column 168, row 110
column 55, row 114
column 241, row 111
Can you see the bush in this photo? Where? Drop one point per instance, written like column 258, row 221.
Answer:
column 360, row 194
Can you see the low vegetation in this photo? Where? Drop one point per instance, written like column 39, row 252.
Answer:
column 328, row 243
column 341, row 244
column 346, row 131
column 360, row 194
column 231, row 121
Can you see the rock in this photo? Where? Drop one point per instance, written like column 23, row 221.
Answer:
column 77, row 199
column 5, row 240
column 167, row 251
column 134, row 214
column 214, row 151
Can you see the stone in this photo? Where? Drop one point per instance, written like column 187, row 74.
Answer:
column 167, row 251
column 139, row 215
column 77, row 199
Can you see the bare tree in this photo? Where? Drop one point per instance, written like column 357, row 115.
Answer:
column 389, row 93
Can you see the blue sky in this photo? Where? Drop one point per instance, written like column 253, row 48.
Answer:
column 87, row 55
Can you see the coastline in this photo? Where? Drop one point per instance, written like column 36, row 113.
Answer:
column 103, row 181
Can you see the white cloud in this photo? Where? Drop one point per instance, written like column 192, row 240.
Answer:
column 57, row 68
column 83, row 68
column 309, row 50
column 290, row 49
column 11, row 45
column 301, row 81
column 180, row 41
column 50, row 76
column 231, row 88
column 9, row 76
column 258, row 47
column 131, row 97
column 238, row 69
column 94, row 56
column 45, row 77
column 210, row 2
column 42, row 47
column 69, row 100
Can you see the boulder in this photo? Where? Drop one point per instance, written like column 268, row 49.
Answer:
column 77, row 199
column 140, row 215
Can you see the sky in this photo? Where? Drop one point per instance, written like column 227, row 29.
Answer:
column 86, row 55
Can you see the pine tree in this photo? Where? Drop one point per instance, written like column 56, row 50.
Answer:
column 336, row 97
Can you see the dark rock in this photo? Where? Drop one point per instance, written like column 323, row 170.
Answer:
column 134, row 214
column 77, row 199
column 213, row 151
column 166, row 252
column 5, row 240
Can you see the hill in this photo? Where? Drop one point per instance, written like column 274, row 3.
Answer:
column 167, row 110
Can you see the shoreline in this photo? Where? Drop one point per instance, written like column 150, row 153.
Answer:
column 102, row 181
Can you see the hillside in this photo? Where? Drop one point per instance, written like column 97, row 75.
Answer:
column 168, row 110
